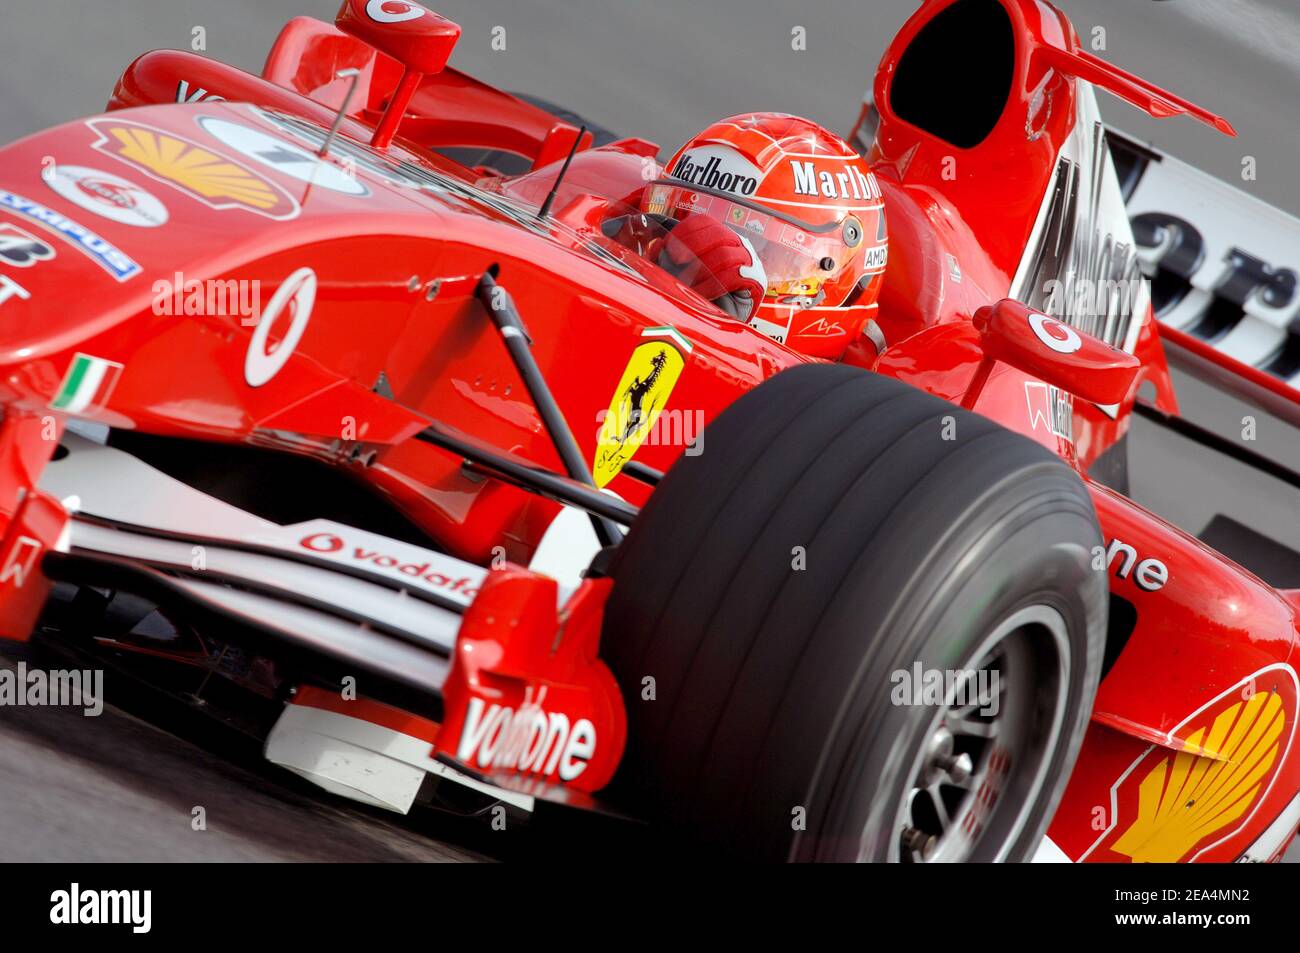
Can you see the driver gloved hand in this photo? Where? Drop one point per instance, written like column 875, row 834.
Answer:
column 716, row 263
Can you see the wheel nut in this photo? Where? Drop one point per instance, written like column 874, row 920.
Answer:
column 958, row 769
column 918, row 841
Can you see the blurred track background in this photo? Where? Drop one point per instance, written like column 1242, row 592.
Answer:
column 116, row 787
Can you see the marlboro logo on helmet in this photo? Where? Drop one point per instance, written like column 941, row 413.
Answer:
column 846, row 182
column 717, row 168
column 807, row 205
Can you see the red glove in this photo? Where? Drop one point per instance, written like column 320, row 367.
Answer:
column 717, row 263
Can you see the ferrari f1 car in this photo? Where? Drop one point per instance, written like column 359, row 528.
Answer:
column 474, row 496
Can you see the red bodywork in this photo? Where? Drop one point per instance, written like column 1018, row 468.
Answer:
column 396, row 269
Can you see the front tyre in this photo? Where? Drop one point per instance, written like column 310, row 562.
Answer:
column 862, row 624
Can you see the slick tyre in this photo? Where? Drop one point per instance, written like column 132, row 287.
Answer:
column 787, row 599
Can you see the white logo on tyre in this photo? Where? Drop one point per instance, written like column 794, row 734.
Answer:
column 376, row 10
column 107, row 195
column 274, row 153
column 297, row 295
column 1061, row 338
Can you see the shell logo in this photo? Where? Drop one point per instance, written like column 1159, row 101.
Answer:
column 211, row 178
column 1172, row 805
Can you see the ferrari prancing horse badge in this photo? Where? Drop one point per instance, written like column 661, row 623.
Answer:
column 641, row 394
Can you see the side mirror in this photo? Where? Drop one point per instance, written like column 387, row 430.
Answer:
column 1056, row 353
column 419, row 39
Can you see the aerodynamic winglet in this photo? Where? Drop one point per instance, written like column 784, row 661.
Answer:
column 1132, row 89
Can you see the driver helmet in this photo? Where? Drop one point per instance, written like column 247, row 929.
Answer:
column 809, row 206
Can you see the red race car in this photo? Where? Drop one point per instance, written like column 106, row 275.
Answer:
column 441, row 439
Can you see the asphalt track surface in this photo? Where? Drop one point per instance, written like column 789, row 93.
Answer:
column 118, row 787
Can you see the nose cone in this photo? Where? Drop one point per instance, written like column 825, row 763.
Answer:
column 55, row 268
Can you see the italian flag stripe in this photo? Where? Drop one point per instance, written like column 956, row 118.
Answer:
column 668, row 331
column 87, row 384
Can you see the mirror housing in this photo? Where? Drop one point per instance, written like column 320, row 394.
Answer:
column 1056, row 353
column 418, row 38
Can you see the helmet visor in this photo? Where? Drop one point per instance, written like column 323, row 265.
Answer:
column 798, row 258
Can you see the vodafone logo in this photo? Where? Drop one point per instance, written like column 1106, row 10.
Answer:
column 296, row 297
column 529, row 740
column 1059, row 337
column 431, row 571
column 393, row 11
column 323, row 543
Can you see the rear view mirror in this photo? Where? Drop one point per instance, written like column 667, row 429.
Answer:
column 419, row 39
column 1056, row 353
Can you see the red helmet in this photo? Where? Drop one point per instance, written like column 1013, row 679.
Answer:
column 810, row 207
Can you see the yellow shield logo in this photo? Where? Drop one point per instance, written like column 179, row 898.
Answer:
column 1173, row 804
column 213, row 179
column 642, row 392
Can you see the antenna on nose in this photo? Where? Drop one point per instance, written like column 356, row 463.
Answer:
column 550, row 198
column 355, row 76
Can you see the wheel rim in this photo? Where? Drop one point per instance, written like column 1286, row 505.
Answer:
column 979, row 768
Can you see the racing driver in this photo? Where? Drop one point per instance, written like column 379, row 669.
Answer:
column 779, row 223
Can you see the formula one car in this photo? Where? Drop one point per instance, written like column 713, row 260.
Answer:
column 477, row 499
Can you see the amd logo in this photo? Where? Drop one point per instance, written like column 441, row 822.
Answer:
column 1149, row 574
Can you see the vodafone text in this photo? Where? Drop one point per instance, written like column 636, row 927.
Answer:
column 529, row 739
column 330, row 544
